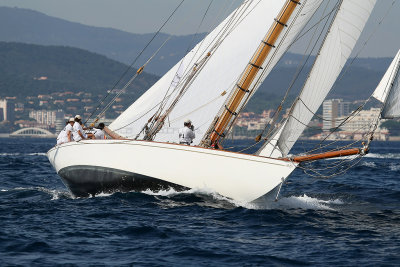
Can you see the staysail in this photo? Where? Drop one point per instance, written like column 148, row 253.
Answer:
column 222, row 56
column 340, row 40
column 388, row 90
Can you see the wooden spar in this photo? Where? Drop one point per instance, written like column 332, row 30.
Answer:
column 252, row 69
column 326, row 155
column 112, row 134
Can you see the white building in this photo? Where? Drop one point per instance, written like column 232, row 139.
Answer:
column 332, row 110
column 6, row 110
column 47, row 117
column 362, row 122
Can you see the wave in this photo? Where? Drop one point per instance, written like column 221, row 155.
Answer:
column 209, row 198
column 369, row 155
column 394, row 167
column 22, row 154
column 368, row 164
column 385, row 167
column 216, row 200
column 54, row 193
column 383, row 156
column 292, row 202
column 306, row 202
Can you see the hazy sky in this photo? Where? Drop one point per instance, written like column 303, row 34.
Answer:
column 147, row 16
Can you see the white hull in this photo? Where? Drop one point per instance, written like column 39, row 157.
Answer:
column 92, row 165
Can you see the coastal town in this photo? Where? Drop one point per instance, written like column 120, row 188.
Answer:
column 338, row 119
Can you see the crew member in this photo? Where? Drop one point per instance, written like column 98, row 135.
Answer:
column 78, row 133
column 66, row 133
column 98, row 132
column 186, row 134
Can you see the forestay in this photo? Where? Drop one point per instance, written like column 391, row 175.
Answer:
column 342, row 36
column 388, row 90
column 231, row 45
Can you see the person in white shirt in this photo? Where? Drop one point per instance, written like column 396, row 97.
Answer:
column 186, row 134
column 98, row 132
column 78, row 133
column 62, row 136
column 66, row 134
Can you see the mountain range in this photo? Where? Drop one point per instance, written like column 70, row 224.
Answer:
column 28, row 26
column 77, row 56
column 29, row 70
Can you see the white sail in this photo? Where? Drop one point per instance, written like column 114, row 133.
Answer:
column 388, row 90
column 237, row 37
column 339, row 42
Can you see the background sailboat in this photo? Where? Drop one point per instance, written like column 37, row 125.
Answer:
column 388, row 90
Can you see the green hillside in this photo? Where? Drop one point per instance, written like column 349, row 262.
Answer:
column 66, row 69
column 76, row 70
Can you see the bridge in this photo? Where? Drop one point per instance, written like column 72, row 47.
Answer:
column 33, row 132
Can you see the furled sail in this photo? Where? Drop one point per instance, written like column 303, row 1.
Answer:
column 388, row 90
column 340, row 40
column 211, row 70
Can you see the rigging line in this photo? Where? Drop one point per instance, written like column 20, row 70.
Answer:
column 198, row 108
column 338, row 147
column 202, row 42
column 300, row 67
column 135, row 60
column 157, row 123
column 329, row 167
column 165, row 98
column 316, row 148
column 215, row 21
column 321, row 176
column 322, row 45
column 354, row 113
column 132, row 79
column 335, row 141
column 224, row 32
column 316, row 24
column 187, row 50
column 141, row 115
column 316, row 115
column 201, row 64
column 221, row 33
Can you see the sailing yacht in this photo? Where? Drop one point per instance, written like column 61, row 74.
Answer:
column 212, row 84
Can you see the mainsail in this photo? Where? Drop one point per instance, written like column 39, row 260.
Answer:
column 340, row 40
column 211, row 71
column 388, row 90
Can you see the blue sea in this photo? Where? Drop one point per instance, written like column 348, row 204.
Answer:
column 352, row 219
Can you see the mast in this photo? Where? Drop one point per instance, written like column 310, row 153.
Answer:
column 251, row 71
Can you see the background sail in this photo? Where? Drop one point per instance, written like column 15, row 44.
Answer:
column 340, row 40
column 388, row 90
column 236, row 38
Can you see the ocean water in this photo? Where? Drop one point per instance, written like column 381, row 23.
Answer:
column 348, row 220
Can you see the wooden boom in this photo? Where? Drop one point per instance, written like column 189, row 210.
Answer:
column 112, row 134
column 327, row 155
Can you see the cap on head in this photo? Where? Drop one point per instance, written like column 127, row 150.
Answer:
column 78, row 117
column 71, row 119
column 187, row 121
